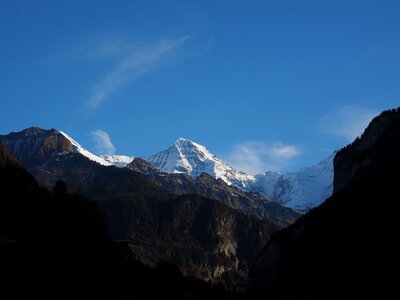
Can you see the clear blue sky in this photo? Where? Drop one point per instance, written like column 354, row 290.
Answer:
column 267, row 84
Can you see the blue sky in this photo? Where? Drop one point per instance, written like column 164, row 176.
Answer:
column 263, row 84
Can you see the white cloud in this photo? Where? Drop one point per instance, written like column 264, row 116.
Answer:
column 133, row 60
column 257, row 157
column 347, row 122
column 103, row 142
column 102, row 47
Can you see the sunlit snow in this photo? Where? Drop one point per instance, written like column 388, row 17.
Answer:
column 105, row 160
column 301, row 190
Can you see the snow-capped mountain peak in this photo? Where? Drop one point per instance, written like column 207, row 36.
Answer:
column 118, row 160
column 105, row 160
column 186, row 156
column 301, row 190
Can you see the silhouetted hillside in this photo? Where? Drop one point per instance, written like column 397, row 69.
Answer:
column 50, row 242
column 54, row 245
column 345, row 248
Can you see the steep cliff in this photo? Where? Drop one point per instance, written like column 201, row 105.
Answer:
column 346, row 247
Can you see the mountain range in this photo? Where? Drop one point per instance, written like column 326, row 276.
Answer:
column 55, row 239
column 209, row 229
column 300, row 190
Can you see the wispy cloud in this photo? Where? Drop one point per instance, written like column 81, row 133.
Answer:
column 347, row 122
column 104, row 47
column 129, row 59
column 102, row 142
column 257, row 157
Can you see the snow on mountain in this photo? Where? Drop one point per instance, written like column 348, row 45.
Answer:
column 118, row 160
column 186, row 156
column 105, row 160
column 300, row 190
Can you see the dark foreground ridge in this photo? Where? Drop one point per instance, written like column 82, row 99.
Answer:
column 343, row 249
column 54, row 245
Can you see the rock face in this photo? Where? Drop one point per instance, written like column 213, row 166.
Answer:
column 206, row 185
column 202, row 236
column 345, row 247
column 33, row 145
column 353, row 159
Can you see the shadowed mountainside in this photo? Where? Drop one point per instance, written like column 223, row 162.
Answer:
column 49, row 241
column 206, row 185
column 54, row 245
column 346, row 247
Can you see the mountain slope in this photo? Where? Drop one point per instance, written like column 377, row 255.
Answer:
column 344, row 248
column 105, row 160
column 33, row 146
column 193, row 159
column 300, row 190
column 205, row 185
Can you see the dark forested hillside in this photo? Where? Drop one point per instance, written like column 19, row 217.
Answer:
column 345, row 248
column 51, row 242
column 54, row 245
column 202, row 236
